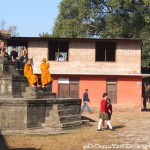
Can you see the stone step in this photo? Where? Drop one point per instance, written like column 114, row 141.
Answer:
column 65, row 112
column 63, row 119
column 33, row 89
column 31, row 95
column 37, row 89
column 17, row 96
column 46, row 95
column 67, row 106
column 38, row 95
column 70, row 118
column 53, row 124
column 75, row 109
column 71, row 125
column 85, row 122
column 53, row 127
column 62, row 107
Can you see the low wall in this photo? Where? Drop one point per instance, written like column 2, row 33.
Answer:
column 23, row 114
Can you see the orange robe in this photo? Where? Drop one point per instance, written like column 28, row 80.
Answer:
column 45, row 76
column 28, row 73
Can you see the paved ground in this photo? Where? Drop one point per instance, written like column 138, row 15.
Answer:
column 131, row 129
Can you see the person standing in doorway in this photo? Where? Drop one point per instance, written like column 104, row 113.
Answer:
column 103, row 115
column 86, row 101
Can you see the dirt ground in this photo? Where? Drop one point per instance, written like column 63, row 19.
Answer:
column 132, row 131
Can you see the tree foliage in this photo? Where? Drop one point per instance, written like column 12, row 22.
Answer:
column 105, row 19
column 45, row 35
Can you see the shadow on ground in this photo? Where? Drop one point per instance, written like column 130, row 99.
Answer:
column 146, row 109
column 87, row 118
column 4, row 146
column 117, row 127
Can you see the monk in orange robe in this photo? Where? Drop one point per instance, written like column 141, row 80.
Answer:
column 45, row 76
column 28, row 73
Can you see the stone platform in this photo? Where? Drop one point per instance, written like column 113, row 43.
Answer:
column 24, row 108
column 57, row 114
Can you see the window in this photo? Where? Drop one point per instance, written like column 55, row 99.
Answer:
column 112, row 89
column 105, row 51
column 58, row 51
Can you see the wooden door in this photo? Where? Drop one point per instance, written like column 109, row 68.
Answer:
column 69, row 90
column 63, row 90
column 112, row 90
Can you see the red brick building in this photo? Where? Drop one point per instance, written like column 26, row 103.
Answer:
column 100, row 65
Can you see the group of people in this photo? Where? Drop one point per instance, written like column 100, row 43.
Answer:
column 14, row 57
column 23, row 63
column 33, row 79
column 105, row 110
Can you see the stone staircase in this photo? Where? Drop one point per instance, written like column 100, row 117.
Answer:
column 37, row 93
column 60, row 117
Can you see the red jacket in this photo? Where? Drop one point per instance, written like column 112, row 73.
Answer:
column 103, row 107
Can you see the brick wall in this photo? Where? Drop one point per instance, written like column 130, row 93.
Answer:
column 36, row 51
column 82, row 58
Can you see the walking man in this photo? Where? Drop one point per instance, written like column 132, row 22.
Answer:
column 86, row 101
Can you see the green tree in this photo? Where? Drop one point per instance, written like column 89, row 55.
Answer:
column 105, row 19
column 45, row 35
column 80, row 18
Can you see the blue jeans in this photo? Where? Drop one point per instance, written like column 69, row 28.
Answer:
column 87, row 106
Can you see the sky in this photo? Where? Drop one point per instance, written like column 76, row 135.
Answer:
column 31, row 17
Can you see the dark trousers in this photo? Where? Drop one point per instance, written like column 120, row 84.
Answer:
column 144, row 103
column 19, row 64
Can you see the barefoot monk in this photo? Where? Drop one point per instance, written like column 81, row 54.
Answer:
column 28, row 73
